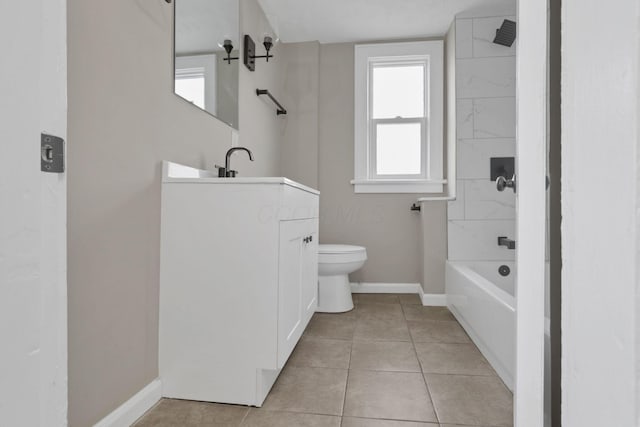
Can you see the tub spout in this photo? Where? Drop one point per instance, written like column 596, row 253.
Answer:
column 504, row 241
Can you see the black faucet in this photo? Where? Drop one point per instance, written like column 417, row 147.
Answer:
column 226, row 172
column 504, row 241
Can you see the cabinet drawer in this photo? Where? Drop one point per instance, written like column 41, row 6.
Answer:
column 298, row 204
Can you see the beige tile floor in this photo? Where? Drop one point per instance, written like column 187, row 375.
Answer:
column 388, row 363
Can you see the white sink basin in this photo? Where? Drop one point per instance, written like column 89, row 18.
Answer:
column 177, row 173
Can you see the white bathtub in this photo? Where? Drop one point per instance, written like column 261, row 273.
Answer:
column 483, row 302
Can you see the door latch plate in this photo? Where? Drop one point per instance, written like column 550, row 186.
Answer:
column 51, row 153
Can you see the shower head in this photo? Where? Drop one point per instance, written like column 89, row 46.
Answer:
column 506, row 34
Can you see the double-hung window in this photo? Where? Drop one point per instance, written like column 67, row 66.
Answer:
column 399, row 117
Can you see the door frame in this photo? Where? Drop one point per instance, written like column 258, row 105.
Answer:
column 531, row 120
column 33, row 281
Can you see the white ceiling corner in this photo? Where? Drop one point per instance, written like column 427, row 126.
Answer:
column 336, row 21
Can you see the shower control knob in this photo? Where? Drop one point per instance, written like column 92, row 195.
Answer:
column 502, row 183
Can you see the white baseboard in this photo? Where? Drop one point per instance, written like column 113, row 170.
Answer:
column 127, row 413
column 435, row 300
column 385, row 288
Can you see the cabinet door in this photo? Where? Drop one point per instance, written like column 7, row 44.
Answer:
column 310, row 271
column 290, row 321
column 298, row 282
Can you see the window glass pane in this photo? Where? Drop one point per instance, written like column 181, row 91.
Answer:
column 398, row 91
column 398, row 149
column 191, row 89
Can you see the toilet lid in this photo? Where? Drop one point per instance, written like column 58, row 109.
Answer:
column 339, row 249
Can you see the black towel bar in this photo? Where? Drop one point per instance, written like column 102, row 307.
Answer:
column 281, row 109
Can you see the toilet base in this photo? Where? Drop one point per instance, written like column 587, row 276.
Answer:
column 334, row 294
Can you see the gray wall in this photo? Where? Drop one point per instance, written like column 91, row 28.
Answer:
column 434, row 246
column 434, row 213
column 123, row 120
column 382, row 223
column 299, row 149
column 260, row 128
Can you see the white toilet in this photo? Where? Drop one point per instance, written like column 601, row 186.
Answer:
column 335, row 262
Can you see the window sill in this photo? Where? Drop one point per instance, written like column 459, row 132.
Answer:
column 398, row 186
column 436, row 199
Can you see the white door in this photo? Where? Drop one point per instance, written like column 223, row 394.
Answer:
column 601, row 213
column 531, row 119
column 33, row 349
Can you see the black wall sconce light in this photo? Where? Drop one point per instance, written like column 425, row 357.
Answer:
column 228, row 47
column 250, row 50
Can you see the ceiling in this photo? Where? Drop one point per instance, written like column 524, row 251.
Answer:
column 335, row 21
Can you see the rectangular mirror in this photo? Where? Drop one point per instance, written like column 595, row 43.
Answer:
column 205, row 74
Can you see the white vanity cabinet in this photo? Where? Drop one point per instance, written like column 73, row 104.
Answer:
column 238, row 282
column 298, row 282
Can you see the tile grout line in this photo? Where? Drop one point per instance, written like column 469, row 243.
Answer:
column 473, row 50
column 346, row 384
column 424, row 380
column 288, row 411
column 245, row 417
column 429, row 423
column 386, row 370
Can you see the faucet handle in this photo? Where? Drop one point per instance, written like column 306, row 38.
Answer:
column 222, row 171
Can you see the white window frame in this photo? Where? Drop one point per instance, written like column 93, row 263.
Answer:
column 200, row 66
column 431, row 178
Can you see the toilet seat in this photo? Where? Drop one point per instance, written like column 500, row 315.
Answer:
column 339, row 254
column 339, row 249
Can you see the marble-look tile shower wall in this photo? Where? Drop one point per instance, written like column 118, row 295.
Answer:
column 485, row 92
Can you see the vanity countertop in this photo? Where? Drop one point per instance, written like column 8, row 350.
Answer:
column 177, row 173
